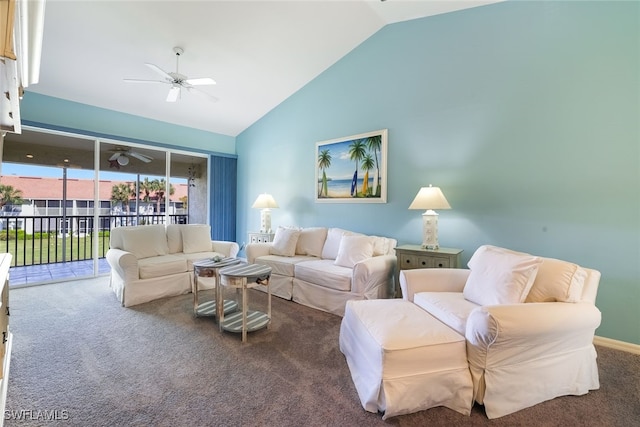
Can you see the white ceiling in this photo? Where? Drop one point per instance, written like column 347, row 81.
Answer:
column 259, row 52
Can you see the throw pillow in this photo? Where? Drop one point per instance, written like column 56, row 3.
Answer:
column 196, row 238
column 354, row 249
column 284, row 242
column 499, row 277
column 311, row 241
column 332, row 243
column 557, row 281
column 146, row 241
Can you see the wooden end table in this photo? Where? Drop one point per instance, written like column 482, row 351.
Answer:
column 243, row 277
column 209, row 268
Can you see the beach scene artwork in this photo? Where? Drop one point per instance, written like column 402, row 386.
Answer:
column 352, row 169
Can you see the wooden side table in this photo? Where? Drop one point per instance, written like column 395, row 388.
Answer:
column 209, row 268
column 243, row 277
column 415, row 256
column 257, row 237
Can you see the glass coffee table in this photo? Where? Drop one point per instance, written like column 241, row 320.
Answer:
column 208, row 269
column 242, row 277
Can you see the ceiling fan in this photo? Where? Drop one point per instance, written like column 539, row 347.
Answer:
column 177, row 80
column 120, row 157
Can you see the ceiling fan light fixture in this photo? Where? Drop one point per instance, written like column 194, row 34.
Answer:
column 123, row 160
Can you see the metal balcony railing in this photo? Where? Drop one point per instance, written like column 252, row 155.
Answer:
column 35, row 240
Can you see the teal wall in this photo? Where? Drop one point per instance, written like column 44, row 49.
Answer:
column 526, row 114
column 56, row 113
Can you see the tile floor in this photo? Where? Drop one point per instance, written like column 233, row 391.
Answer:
column 38, row 274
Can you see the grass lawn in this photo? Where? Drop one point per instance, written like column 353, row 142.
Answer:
column 49, row 250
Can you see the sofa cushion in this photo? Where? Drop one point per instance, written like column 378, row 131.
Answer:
column 383, row 245
column 145, row 241
column 499, row 277
column 557, row 281
column 196, row 238
column 196, row 256
column 284, row 242
column 159, row 266
column 451, row 308
column 323, row 272
column 311, row 241
column 284, row 266
column 354, row 249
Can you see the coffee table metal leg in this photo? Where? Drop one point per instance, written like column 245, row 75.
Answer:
column 244, row 309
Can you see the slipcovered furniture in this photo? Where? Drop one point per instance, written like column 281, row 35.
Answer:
column 324, row 268
column 149, row 262
column 528, row 323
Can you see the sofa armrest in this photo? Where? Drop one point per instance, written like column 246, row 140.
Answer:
column 228, row 249
column 124, row 264
column 374, row 277
column 255, row 250
column 533, row 328
column 432, row 280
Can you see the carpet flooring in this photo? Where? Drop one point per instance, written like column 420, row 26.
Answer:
column 80, row 359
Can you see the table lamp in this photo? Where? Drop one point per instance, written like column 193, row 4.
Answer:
column 430, row 198
column 265, row 202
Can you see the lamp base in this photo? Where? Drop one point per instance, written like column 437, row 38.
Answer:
column 265, row 220
column 430, row 230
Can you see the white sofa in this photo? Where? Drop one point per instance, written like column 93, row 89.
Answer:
column 324, row 267
column 528, row 323
column 153, row 261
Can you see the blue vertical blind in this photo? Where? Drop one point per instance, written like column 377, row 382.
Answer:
column 223, row 183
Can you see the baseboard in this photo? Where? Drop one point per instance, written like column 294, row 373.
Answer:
column 618, row 345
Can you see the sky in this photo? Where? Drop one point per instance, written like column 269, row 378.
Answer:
column 55, row 172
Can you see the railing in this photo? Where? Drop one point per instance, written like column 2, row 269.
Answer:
column 35, row 240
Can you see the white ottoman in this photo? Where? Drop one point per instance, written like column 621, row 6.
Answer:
column 403, row 360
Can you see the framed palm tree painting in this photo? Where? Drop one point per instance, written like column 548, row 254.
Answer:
column 352, row 169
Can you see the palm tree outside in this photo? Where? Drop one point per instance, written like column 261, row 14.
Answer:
column 121, row 193
column 9, row 196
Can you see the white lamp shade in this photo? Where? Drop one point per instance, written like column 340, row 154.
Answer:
column 430, row 198
column 123, row 160
column 265, row 201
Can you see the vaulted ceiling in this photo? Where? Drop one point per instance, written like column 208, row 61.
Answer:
column 258, row 52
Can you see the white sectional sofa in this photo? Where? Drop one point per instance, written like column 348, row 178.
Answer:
column 153, row 261
column 528, row 323
column 324, row 267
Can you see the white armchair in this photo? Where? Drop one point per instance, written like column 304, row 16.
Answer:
column 522, row 353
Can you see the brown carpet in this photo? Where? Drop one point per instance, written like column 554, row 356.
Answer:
column 80, row 357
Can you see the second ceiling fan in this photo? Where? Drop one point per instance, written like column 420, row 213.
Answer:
column 177, row 80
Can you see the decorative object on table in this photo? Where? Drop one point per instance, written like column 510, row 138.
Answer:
column 430, row 198
column 266, row 202
column 358, row 177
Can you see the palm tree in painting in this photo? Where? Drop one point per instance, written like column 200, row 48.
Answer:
column 357, row 151
column 324, row 162
column 374, row 143
column 367, row 165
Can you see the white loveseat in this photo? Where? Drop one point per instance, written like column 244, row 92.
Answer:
column 153, row 261
column 528, row 323
column 325, row 267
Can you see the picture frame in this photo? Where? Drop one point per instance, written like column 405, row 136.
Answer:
column 352, row 169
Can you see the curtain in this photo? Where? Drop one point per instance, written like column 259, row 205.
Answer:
column 223, row 186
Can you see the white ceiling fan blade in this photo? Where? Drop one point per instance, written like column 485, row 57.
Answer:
column 203, row 94
column 144, row 81
column 114, row 156
column 174, row 93
column 201, row 81
column 160, row 71
column 140, row 157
